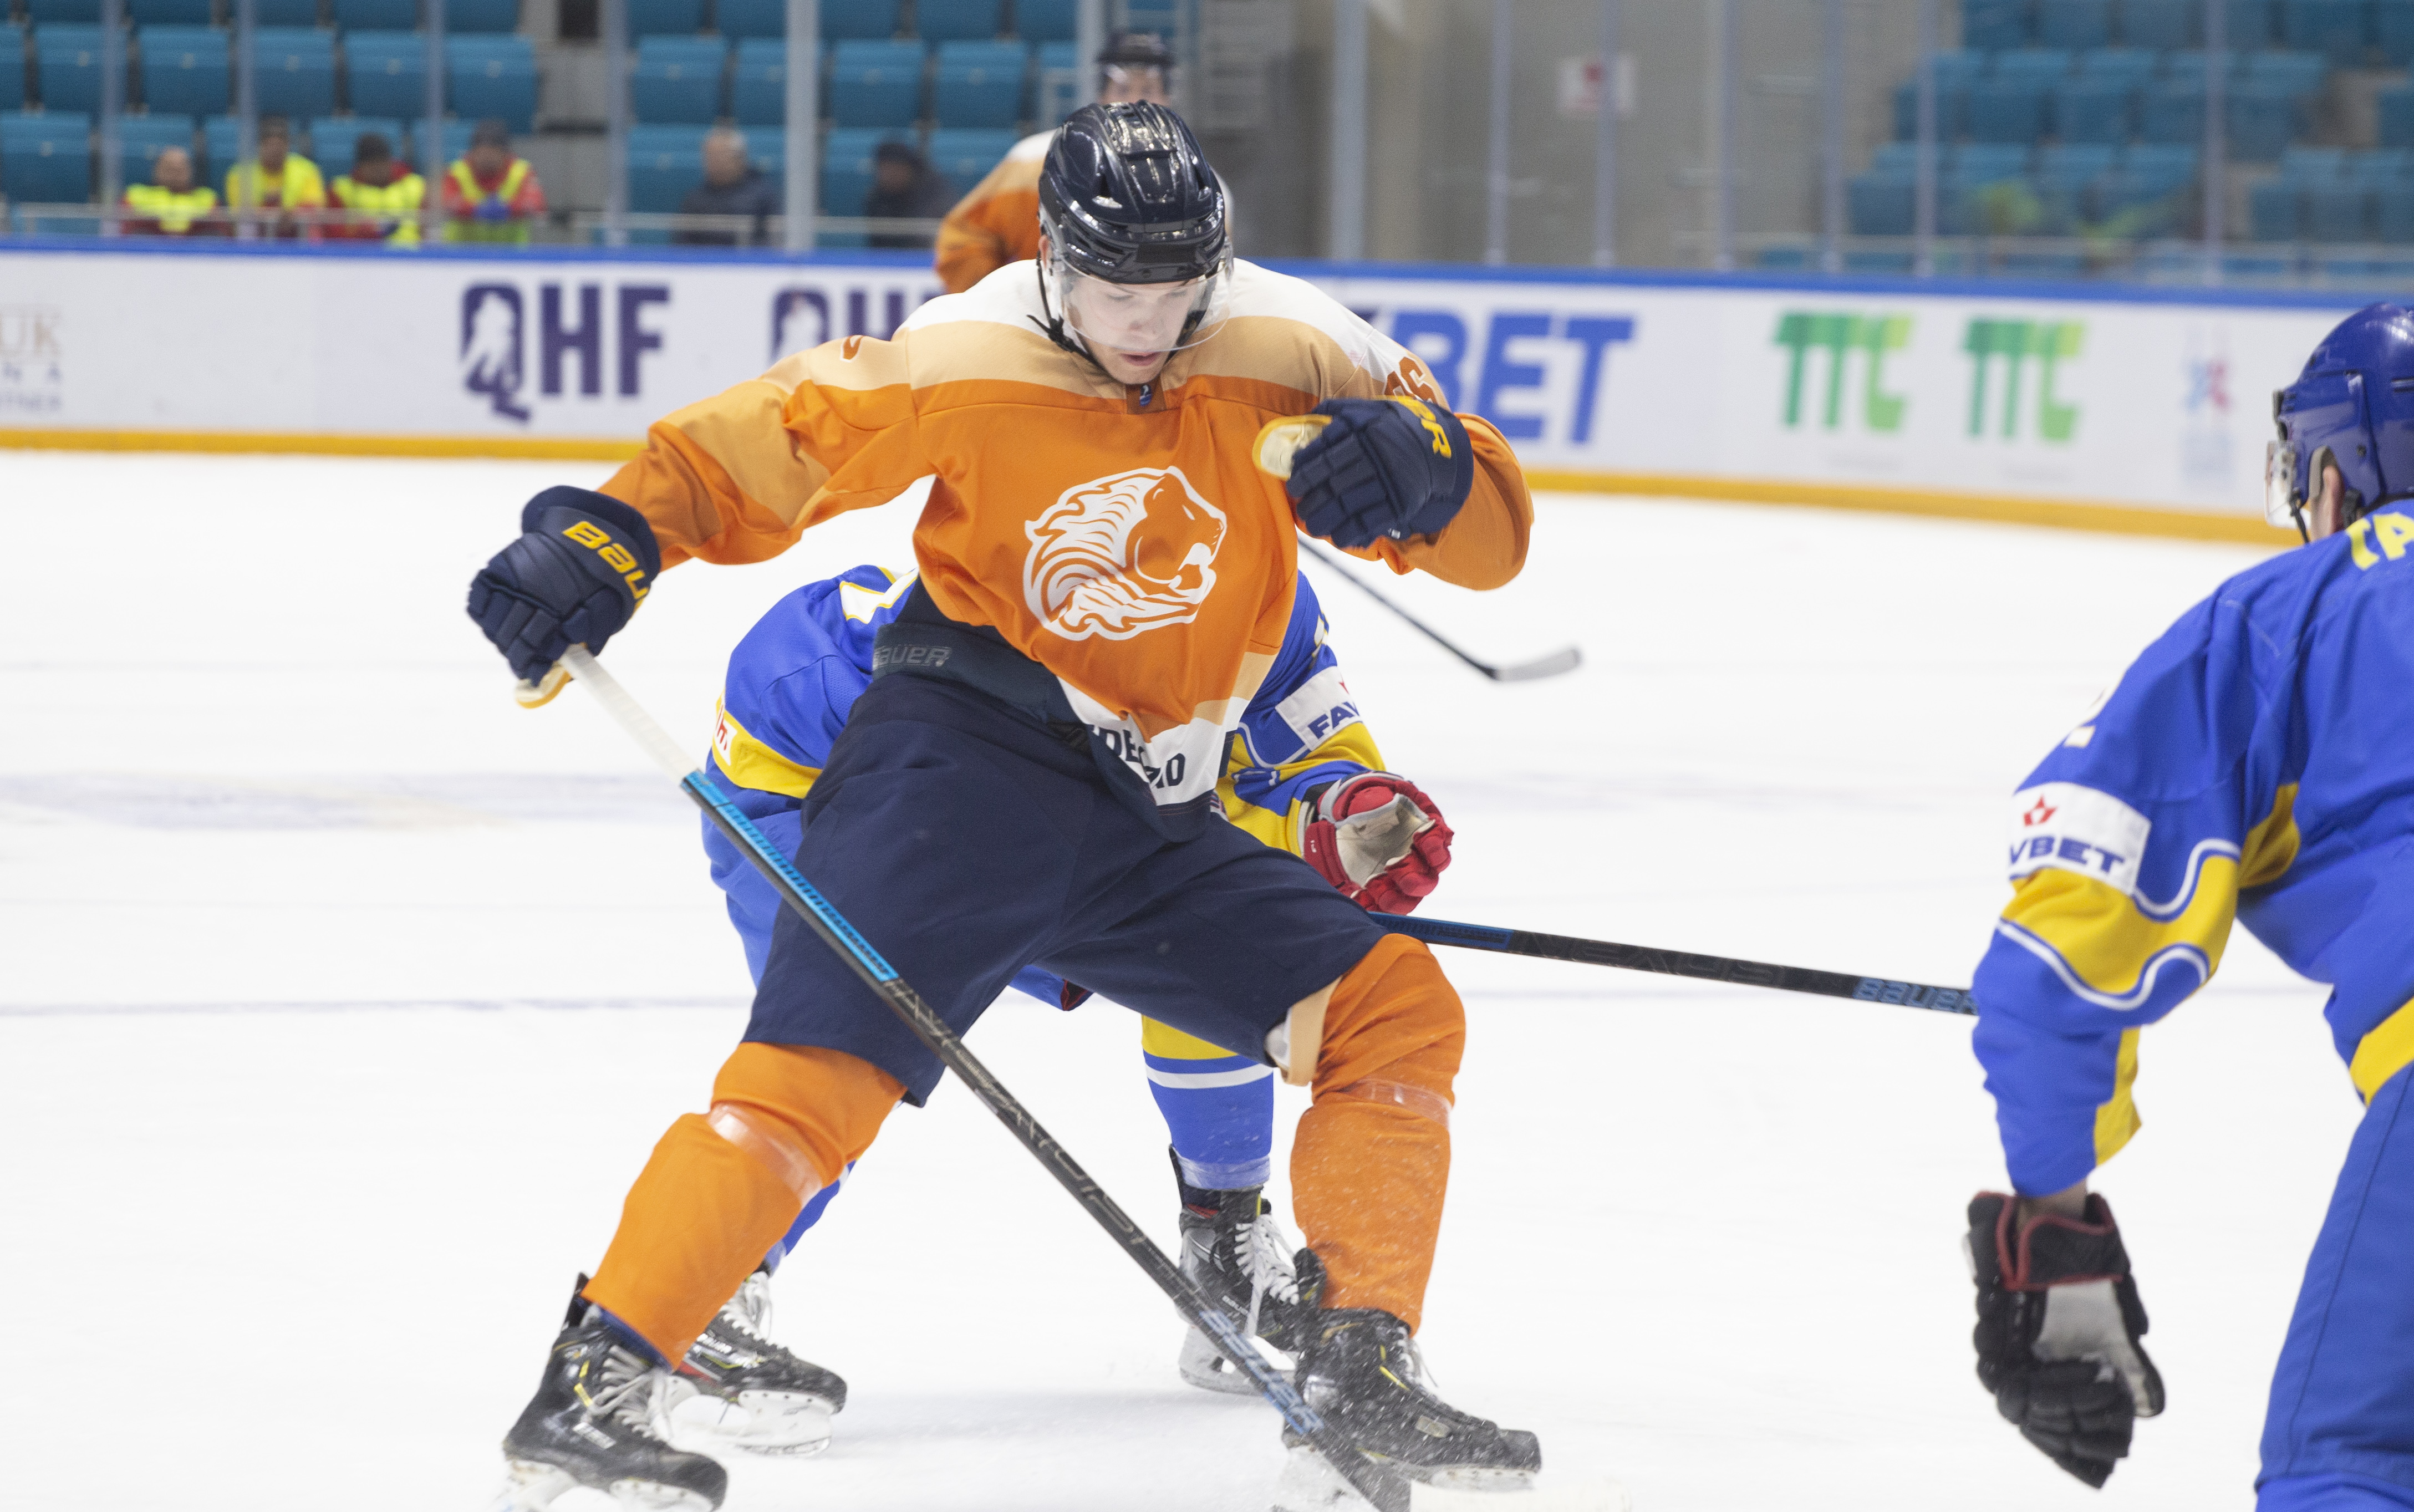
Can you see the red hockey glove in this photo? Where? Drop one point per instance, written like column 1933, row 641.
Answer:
column 1380, row 840
column 2059, row 1325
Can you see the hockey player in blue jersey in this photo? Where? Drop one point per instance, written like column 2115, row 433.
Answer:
column 1302, row 773
column 2256, row 762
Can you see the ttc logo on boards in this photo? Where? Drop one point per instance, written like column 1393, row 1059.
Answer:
column 569, row 342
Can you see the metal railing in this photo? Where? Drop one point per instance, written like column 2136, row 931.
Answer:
column 572, row 229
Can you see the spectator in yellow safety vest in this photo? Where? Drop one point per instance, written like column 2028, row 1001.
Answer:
column 277, row 179
column 491, row 195
column 998, row 222
column 381, row 198
column 169, row 205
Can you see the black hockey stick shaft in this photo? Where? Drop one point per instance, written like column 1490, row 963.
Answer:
column 1386, row 1491
column 1682, row 963
column 1564, row 660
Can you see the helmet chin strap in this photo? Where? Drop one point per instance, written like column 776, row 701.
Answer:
column 1053, row 326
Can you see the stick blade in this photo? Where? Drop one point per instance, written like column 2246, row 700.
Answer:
column 1598, row 1494
column 1558, row 664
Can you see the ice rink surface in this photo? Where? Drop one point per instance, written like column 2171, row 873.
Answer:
column 342, row 999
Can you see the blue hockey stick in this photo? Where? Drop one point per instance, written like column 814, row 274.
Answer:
column 1387, row 1491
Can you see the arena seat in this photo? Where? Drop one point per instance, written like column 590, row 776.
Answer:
column 875, row 83
column 1046, row 21
column 2260, row 116
column 67, row 66
column 2160, row 25
column 2074, row 23
column 53, row 12
column 868, row 21
column 2392, row 212
column 2393, row 31
column 141, row 138
column 12, row 67
column 2396, row 108
column 385, row 73
column 1954, row 73
column 846, row 166
column 2092, row 109
column 956, row 21
column 186, row 70
column 492, row 77
column 294, row 70
column 740, row 19
column 965, row 157
column 2172, row 109
column 1881, row 203
column 678, row 80
column 1057, row 88
column 480, row 17
column 168, row 12
column 334, row 137
column 376, row 16
column 664, row 162
column 46, row 157
column 666, row 17
column 758, row 89
column 283, row 12
column 979, row 83
column 2332, row 28
column 2273, row 212
column 450, row 150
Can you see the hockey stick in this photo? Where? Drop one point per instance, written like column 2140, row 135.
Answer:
column 1566, row 659
column 1387, row 1491
column 1679, row 964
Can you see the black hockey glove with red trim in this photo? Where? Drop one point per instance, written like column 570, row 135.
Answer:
column 2059, row 1324
column 1383, row 469
column 580, row 570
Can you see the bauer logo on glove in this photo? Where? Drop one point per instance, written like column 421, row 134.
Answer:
column 1378, row 839
column 1360, row 471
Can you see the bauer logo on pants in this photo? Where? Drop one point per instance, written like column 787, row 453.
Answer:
column 1122, row 554
column 2077, row 828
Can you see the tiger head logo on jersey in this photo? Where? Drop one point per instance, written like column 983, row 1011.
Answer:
column 1122, row 554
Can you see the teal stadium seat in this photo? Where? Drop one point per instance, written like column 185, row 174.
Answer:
column 2064, row 183
column 847, row 166
column 870, row 21
column 2333, row 28
column 66, row 66
column 449, row 151
column 958, row 21
column 979, row 83
column 2249, row 24
column 2171, row 109
column 678, row 80
column 168, row 12
column 1056, row 88
column 2393, row 31
column 2396, row 117
column 12, row 67
column 46, row 157
column 2260, row 116
column 141, row 138
column 1994, row 26
column 1881, row 203
column 875, row 83
column 332, row 139
column 758, row 87
column 385, row 73
column 186, row 70
column 666, row 17
column 964, row 157
column 769, row 151
column 1046, row 21
column 742, row 19
column 2074, row 23
column 2275, row 211
column 2161, row 26
column 1954, row 73
column 492, row 77
column 664, row 162
column 480, row 17
column 2009, row 105
column 283, row 12
column 294, row 70
column 2093, row 110
column 71, row 12
column 355, row 16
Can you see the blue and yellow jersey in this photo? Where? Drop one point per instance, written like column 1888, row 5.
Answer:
column 797, row 673
column 2258, row 763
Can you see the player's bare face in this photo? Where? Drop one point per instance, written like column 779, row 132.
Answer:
column 1131, row 328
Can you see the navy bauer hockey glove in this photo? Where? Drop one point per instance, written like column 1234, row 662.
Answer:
column 585, row 564
column 1385, row 468
column 2059, row 1322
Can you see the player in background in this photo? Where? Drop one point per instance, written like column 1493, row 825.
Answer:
column 998, row 222
column 2257, row 761
column 1300, row 756
column 1106, row 578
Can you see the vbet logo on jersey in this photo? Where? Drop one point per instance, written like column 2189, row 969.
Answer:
column 2078, row 828
column 1123, row 554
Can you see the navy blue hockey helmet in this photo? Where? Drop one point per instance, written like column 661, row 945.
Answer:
column 2352, row 407
column 1137, row 252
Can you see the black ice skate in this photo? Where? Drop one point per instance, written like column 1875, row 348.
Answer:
column 739, row 1389
column 1360, row 1372
column 595, row 1421
column 1233, row 1251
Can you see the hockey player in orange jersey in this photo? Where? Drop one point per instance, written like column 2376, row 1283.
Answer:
column 997, row 221
column 1105, row 577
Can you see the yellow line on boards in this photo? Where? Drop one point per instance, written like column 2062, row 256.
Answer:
column 540, row 448
column 2064, row 514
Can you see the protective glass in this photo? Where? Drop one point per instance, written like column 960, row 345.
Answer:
column 2281, row 499
column 1137, row 319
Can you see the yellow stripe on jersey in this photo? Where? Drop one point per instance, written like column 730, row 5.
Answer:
column 2117, row 1121
column 750, row 763
column 2382, row 1053
column 2109, row 942
column 1165, row 1039
column 1283, row 828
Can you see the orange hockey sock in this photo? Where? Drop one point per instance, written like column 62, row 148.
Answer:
column 1372, row 1159
column 723, row 1187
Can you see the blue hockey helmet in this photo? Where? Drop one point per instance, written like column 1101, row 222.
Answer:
column 2353, row 409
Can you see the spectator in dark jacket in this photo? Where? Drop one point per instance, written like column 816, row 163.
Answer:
column 905, row 188
column 731, row 187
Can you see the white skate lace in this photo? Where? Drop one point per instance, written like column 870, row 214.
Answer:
column 749, row 1311
column 635, row 1393
column 1264, row 1251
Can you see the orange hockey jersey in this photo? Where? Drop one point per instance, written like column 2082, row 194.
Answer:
column 1121, row 538
column 998, row 222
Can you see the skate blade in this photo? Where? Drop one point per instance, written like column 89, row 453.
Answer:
column 530, row 1487
column 1203, row 1366
column 1310, row 1484
column 653, row 1496
column 759, row 1422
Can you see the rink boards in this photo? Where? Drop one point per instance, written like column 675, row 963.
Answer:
column 1994, row 399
